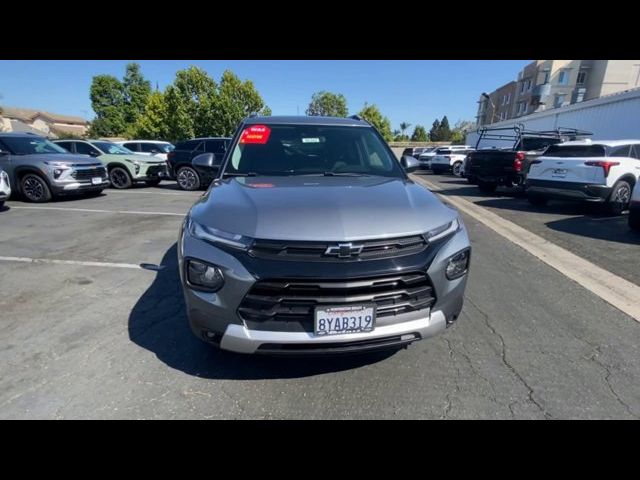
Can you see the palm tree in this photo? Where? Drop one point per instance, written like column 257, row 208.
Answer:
column 396, row 134
column 403, row 127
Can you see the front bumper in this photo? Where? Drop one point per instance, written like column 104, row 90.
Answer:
column 568, row 190
column 153, row 171
column 61, row 188
column 214, row 317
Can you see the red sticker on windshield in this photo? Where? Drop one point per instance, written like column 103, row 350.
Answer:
column 258, row 134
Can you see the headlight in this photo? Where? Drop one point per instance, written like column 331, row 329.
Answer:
column 458, row 264
column 213, row 235
column 3, row 175
column 444, row 230
column 205, row 277
column 56, row 164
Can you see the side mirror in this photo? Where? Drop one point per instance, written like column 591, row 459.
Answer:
column 93, row 153
column 154, row 151
column 3, row 152
column 205, row 160
column 410, row 164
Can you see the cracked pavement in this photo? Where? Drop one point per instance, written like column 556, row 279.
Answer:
column 84, row 342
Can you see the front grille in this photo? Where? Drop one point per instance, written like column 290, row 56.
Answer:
column 89, row 173
column 289, row 305
column 155, row 170
column 315, row 251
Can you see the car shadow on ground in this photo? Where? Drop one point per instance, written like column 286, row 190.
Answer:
column 4, row 208
column 611, row 229
column 158, row 323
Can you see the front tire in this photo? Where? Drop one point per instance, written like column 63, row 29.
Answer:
column 619, row 198
column 487, row 187
column 188, row 179
column 1, row 204
column 120, row 178
column 35, row 189
column 457, row 169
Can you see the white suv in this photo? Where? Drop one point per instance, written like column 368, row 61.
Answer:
column 450, row 159
column 5, row 188
column 600, row 171
column 155, row 148
column 634, row 208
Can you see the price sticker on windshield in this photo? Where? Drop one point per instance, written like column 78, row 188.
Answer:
column 256, row 134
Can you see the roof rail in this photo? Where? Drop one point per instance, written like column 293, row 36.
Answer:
column 355, row 117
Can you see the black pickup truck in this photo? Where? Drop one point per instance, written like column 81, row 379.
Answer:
column 507, row 153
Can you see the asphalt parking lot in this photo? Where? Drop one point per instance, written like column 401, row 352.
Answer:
column 98, row 329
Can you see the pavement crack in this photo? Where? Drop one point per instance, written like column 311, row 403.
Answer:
column 607, row 378
column 448, row 406
column 503, row 355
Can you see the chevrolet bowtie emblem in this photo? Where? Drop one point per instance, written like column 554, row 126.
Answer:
column 344, row 250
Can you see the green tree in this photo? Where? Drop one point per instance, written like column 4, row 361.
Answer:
column 136, row 90
column 460, row 130
column 235, row 100
column 419, row 134
column 372, row 114
column 444, row 130
column 328, row 104
column 396, row 136
column 434, row 133
column 152, row 122
column 107, row 101
column 403, row 128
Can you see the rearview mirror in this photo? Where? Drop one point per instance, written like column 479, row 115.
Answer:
column 410, row 164
column 205, row 160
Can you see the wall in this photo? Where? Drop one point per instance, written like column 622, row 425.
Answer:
column 613, row 117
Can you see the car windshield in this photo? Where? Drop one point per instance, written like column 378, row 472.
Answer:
column 112, row 148
column 31, row 145
column 311, row 150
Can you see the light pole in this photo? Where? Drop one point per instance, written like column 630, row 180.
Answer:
column 493, row 107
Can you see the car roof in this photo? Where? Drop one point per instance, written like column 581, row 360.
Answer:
column 306, row 120
column 608, row 143
column 21, row 134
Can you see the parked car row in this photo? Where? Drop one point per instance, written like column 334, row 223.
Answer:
column 562, row 164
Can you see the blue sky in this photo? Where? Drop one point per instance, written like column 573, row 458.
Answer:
column 413, row 91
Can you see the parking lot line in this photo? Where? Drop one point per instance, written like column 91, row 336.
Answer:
column 72, row 262
column 617, row 291
column 91, row 210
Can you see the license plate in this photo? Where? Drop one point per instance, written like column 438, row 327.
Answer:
column 559, row 172
column 96, row 180
column 344, row 319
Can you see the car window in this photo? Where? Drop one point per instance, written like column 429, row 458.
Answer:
column 30, row 145
column 65, row 145
column 187, row 145
column 199, row 147
column 311, row 150
column 112, row 148
column 132, row 146
column 86, row 149
column 530, row 143
column 569, row 151
column 621, row 151
column 150, row 147
column 635, row 151
column 214, row 146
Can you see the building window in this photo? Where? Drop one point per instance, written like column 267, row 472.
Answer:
column 523, row 86
column 528, row 85
column 563, row 78
column 582, row 77
column 508, row 98
column 546, row 77
column 559, row 100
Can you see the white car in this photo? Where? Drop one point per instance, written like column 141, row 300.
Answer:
column 602, row 171
column 450, row 160
column 634, row 208
column 5, row 188
column 148, row 147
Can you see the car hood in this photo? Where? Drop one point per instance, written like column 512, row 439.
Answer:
column 67, row 158
column 320, row 208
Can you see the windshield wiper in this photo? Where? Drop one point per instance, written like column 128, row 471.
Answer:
column 248, row 174
column 345, row 174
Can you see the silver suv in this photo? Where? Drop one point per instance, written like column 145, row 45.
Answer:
column 313, row 239
column 40, row 169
